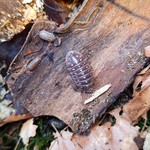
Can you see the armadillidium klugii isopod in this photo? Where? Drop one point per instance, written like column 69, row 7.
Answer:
column 79, row 70
column 47, row 36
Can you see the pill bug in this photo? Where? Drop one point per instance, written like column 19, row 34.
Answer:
column 47, row 36
column 79, row 70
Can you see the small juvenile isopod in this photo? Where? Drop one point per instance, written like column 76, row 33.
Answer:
column 47, row 36
column 79, row 70
column 33, row 63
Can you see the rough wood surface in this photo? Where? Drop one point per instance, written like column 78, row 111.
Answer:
column 15, row 15
column 113, row 41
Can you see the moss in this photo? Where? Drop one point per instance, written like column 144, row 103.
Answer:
column 43, row 136
column 9, row 136
column 41, row 142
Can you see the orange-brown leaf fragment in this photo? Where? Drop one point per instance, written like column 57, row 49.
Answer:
column 14, row 118
column 142, row 78
column 138, row 105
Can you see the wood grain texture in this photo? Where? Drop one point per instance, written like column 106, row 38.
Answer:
column 113, row 42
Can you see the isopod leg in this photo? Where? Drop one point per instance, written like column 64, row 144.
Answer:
column 73, row 84
column 57, row 41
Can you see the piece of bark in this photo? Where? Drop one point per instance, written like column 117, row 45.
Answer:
column 15, row 15
column 113, row 41
column 15, row 118
column 55, row 11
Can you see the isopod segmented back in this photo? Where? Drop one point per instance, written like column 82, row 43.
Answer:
column 80, row 70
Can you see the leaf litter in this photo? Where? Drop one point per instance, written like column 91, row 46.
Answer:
column 140, row 103
column 119, row 136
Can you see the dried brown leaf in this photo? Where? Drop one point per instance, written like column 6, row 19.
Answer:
column 62, row 141
column 144, row 78
column 138, row 105
column 28, row 130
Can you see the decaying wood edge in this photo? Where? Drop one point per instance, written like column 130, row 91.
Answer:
column 83, row 12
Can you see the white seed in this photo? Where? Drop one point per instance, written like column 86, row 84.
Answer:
column 47, row 36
